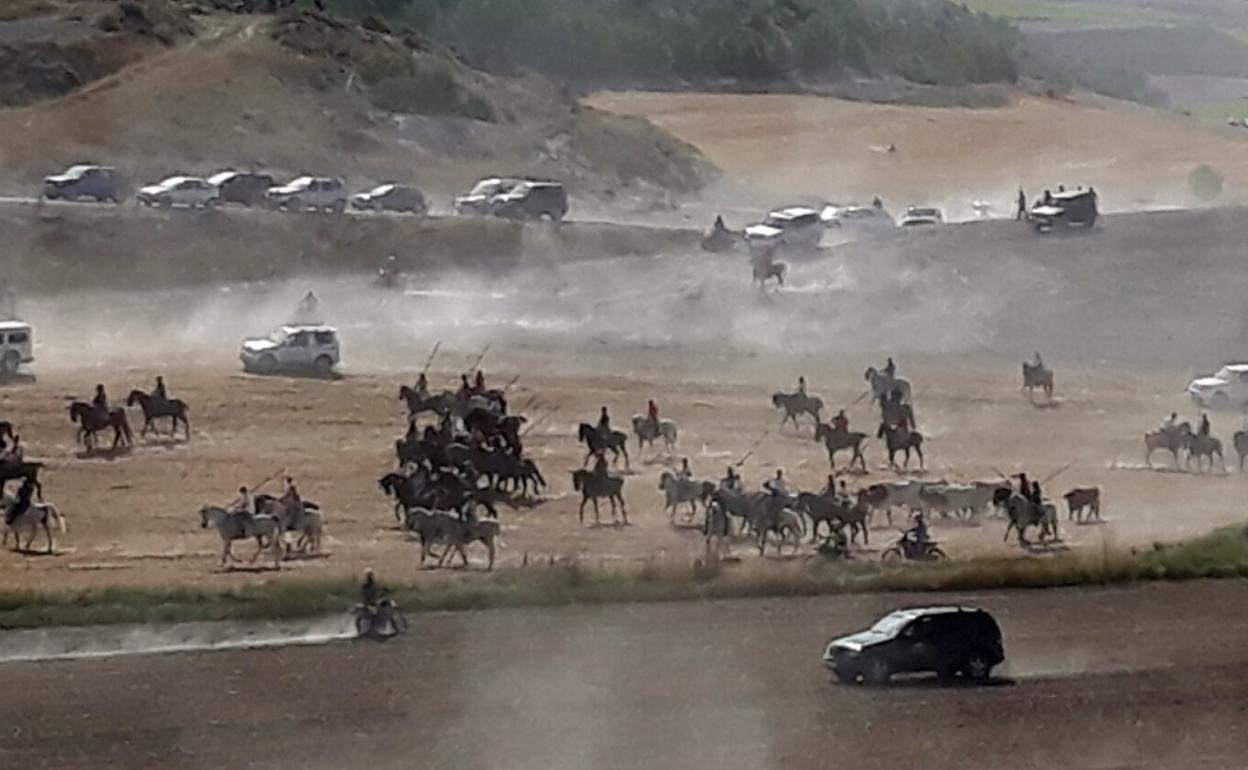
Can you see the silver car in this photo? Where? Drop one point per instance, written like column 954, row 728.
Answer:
column 189, row 191
column 309, row 193
column 296, row 347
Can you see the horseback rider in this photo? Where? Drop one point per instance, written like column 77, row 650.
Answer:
column 684, row 474
column 604, row 423
column 306, row 310
column 1204, row 424
column 158, row 393
column 15, row 454
column 1024, row 486
column 801, row 385
column 776, row 485
column 1037, row 497
column 242, row 504
column 840, row 423
column 652, row 414
column 731, row 482
column 291, row 499
column 890, row 368
column 465, row 390
column 479, row 383
column 422, row 387
column 830, row 489
column 1038, row 363
column 719, row 225
column 22, row 503
column 100, row 402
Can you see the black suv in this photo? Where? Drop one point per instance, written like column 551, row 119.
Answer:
column 533, row 200
column 945, row 640
column 245, row 187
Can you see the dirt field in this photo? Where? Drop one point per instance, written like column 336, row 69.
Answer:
column 793, row 146
column 687, row 330
column 1142, row 677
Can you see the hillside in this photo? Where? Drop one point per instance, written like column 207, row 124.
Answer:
column 830, row 149
column 304, row 92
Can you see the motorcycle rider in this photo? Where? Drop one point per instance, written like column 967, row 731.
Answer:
column 371, row 592
column 917, row 534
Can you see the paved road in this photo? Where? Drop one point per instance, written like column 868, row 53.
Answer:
column 1141, row 677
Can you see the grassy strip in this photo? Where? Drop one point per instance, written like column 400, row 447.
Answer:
column 1221, row 554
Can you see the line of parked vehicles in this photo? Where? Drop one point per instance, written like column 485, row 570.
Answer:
column 506, row 197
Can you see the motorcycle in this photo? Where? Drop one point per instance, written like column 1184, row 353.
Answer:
column 379, row 623
column 910, row 550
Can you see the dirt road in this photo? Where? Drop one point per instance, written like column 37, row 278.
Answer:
column 1142, row 677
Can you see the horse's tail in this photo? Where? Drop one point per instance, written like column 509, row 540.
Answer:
column 60, row 520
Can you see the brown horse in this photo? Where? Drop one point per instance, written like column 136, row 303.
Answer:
column 835, row 441
column 1037, row 376
column 900, row 438
column 92, row 422
column 155, row 409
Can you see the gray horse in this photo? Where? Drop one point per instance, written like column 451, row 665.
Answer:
column 243, row 526
column 795, row 405
column 38, row 515
column 647, row 432
column 882, row 383
column 678, row 491
column 1172, row 440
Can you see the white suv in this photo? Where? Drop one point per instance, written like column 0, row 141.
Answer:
column 1225, row 389
column 189, row 191
column 309, row 192
column 293, row 347
column 16, row 346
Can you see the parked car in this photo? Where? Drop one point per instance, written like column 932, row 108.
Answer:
column 245, row 187
column 16, row 346
column 480, row 199
column 532, row 200
column 945, row 640
column 311, row 347
column 801, row 228
column 1072, row 209
column 860, row 219
column 917, row 216
column 309, row 193
column 391, row 197
column 1224, row 389
column 189, row 191
column 100, row 183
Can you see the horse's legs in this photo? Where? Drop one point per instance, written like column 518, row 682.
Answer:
column 581, row 513
column 922, row 462
column 623, row 510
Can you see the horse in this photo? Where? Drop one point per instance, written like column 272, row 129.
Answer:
column 1037, row 376
column 430, row 526
column 463, row 532
column 154, row 409
column 646, row 432
column 900, row 438
column 1023, row 513
column 616, row 441
column 27, row 471
column 795, row 405
column 304, row 519
column 825, row 509
column 784, row 523
column 1174, row 439
column 750, row 507
column 766, row 272
column 835, row 441
column 882, row 383
column 490, row 424
column 1081, row 498
column 679, row 490
column 592, row 486
column 439, row 404
column 36, row 516
column 1240, row 440
column 1202, row 447
column 243, row 526
column 719, row 240
column 85, row 415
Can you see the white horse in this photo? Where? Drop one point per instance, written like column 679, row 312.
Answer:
column 678, row 491
column 882, row 383
column 243, row 526
column 36, row 516
column 647, row 433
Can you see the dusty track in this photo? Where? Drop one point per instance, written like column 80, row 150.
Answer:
column 1146, row 677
